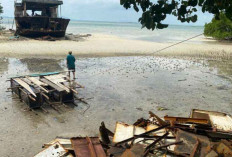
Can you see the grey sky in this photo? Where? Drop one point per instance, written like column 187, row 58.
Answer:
column 100, row 10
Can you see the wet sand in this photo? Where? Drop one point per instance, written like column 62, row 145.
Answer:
column 117, row 89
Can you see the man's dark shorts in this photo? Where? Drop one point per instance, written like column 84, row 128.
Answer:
column 73, row 70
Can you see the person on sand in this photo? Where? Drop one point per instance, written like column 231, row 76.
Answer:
column 71, row 64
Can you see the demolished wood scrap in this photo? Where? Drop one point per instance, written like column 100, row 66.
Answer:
column 40, row 89
column 55, row 150
column 186, row 137
column 25, row 86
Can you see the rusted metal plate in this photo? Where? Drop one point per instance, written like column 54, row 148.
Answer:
column 220, row 121
column 88, row 147
column 186, row 120
column 225, row 148
column 136, row 151
column 55, row 150
column 190, row 146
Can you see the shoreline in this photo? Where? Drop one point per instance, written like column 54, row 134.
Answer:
column 101, row 45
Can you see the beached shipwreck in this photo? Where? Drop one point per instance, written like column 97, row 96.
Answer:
column 35, row 18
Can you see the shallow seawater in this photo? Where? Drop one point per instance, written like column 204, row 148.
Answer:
column 224, row 67
column 116, row 89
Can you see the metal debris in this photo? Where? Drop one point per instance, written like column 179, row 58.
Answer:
column 194, row 136
column 88, row 147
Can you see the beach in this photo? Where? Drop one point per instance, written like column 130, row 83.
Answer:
column 108, row 45
column 125, row 76
column 118, row 39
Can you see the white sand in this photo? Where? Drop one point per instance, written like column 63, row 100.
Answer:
column 105, row 45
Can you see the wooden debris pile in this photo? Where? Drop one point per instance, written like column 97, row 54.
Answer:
column 49, row 88
column 203, row 134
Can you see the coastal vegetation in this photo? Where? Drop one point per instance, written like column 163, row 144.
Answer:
column 1, row 11
column 155, row 12
column 219, row 29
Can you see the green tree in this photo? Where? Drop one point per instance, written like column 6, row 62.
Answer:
column 1, row 11
column 219, row 29
column 155, row 11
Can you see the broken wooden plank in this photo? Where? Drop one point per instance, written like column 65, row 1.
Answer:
column 25, row 85
column 59, row 89
column 66, row 143
column 37, row 81
column 56, row 79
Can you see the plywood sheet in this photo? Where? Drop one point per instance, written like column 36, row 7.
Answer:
column 124, row 131
column 55, row 150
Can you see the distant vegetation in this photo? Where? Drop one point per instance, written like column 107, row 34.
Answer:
column 1, row 11
column 219, row 29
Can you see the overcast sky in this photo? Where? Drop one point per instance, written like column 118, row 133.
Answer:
column 100, row 10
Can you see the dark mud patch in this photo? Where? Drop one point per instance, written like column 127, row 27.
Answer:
column 42, row 65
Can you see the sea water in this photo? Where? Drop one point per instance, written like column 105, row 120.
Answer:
column 173, row 33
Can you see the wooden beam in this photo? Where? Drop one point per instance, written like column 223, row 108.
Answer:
column 38, row 83
column 25, row 9
column 25, row 85
column 59, row 89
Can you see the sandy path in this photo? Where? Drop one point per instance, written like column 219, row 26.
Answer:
column 106, row 45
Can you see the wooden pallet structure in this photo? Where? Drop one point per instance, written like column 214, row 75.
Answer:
column 47, row 88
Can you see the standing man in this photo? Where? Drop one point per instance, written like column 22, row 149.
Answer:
column 71, row 64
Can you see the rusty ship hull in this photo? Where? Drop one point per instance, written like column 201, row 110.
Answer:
column 41, row 26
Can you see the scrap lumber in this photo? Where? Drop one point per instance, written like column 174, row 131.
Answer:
column 140, row 135
column 59, row 89
column 39, row 89
column 38, row 83
column 124, row 131
column 66, row 143
column 25, row 85
column 57, row 80
column 55, row 150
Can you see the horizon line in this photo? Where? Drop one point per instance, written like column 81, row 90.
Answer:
column 184, row 24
